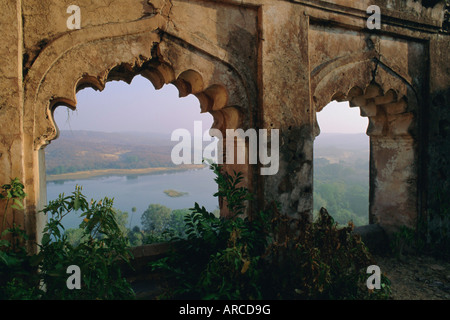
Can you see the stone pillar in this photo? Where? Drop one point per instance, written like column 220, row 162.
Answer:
column 437, row 186
column 11, row 101
column 285, row 105
column 393, row 182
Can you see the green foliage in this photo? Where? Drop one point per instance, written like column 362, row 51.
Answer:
column 122, row 220
column 135, row 236
column 404, row 238
column 18, row 275
column 75, row 236
column 175, row 228
column 229, row 189
column 219, row 251
column 176, row 223
column 323, row 261
column 98, row 254
column 12, row 192
column 211, row 246
column 19, row 279
column 162, row 224
column 156, row 218
column 97, row 248
column 266, row 257
column 343, row 189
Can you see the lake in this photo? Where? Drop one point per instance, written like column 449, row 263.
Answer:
column 141, row 191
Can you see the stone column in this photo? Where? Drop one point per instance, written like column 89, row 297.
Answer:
column 285, row 105
column 11, row 101
column 393, row 182
column 437, row 186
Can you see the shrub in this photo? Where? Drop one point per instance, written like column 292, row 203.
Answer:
column 18, row 273
column 269, row 256
column 98, row 255
column 318, row 260
column 101, row 248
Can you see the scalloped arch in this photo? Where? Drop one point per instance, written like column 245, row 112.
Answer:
column 212, row 99
column 357, row 70
column 65, row 67
column 387, row 114
column 383, row 96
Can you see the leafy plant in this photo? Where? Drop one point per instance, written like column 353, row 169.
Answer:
column 12, row 192
column 102, row 248
column 219, row 251
column 269, row 256
column 18, row 273
column 322, row 260
column 229, row 189
column 402, row 240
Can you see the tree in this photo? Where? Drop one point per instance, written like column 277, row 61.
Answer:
column 177, row 221
column 75, row 236
column 135, row 236
column 122, row 220
column 156, row 218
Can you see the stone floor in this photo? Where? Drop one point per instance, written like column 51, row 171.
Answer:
column 417, row 277
column 412, row 278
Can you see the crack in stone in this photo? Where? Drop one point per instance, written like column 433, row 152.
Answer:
column 169, row 20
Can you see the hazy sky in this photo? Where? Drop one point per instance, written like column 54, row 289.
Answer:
column 338, row 117
column 139, row 107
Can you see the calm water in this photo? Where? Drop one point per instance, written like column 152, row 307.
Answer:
column 140, row 191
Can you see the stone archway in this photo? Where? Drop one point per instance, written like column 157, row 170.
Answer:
column 89, row 59
column 263, row 64
column 391, row 109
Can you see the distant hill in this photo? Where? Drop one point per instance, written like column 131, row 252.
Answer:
column 116, row 138
column 77, row 151
column 347, row 141
column 348, row 148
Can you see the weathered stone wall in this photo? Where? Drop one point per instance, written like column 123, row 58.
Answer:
column 437, row 153
column 384, row 77
column 261, row 64
column 11, row 98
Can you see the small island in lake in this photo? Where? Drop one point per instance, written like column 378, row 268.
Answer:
column 175, row 194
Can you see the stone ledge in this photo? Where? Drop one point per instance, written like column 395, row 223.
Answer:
column 374, row 237
column 143, row 255
column 151, row 250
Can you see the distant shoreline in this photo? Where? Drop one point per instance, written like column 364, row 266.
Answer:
column 119, row 172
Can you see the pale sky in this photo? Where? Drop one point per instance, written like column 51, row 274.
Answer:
column 338, row 117
column 139, row 107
